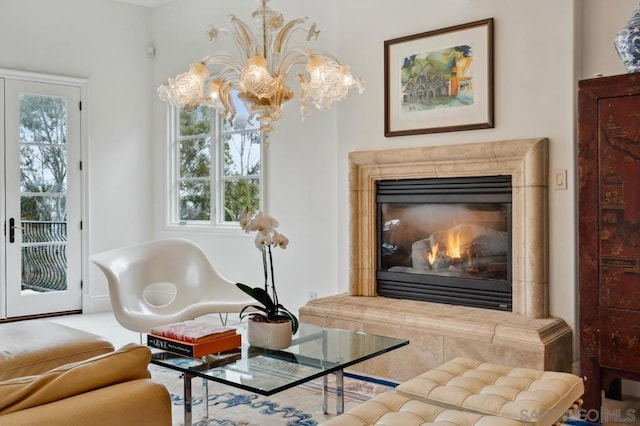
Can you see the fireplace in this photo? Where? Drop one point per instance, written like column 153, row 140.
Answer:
column 445, row 240
column 525, row 161
column 524, row 334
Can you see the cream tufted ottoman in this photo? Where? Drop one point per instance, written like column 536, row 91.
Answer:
column 391, row 409
column 531, row 397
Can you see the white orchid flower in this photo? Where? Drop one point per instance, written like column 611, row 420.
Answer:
column 280, row 240
column 265, row 228
column 245, row 220
column 263, row 240
column 262, row 222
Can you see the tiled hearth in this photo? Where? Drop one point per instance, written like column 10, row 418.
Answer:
column 526, row 337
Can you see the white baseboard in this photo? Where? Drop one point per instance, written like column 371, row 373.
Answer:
column 92, row 305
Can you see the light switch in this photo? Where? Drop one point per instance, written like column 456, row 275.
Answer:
column 559, row 179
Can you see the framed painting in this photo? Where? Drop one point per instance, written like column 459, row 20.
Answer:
column 439, row 81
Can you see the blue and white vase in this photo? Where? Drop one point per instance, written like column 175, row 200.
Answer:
column 627, row 43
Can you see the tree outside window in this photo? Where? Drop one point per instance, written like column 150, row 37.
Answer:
column 219, row 167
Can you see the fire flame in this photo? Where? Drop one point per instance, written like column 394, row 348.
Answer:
column 453, row 248
column 453, row 245
column 432, row 254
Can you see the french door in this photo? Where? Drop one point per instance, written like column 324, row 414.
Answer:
column 42, row 198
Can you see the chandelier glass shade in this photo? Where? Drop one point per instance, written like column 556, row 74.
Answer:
column 260, row 75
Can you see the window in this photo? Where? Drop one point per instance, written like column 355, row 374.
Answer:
column 216, row 167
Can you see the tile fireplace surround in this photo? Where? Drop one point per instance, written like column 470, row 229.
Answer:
column 526, row 337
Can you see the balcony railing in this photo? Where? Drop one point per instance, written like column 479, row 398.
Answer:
column 44, row 256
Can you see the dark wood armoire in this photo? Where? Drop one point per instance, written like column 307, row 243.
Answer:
column 609, row 233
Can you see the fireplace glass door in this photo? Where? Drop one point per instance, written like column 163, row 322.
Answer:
column 446, row 240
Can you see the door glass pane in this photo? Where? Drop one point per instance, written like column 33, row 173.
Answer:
column 43, row 192
column 43, row 119
column 42, row 168
column 43, row 231
column 44, row 267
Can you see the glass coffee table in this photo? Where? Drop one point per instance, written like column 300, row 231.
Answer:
column 314, row 352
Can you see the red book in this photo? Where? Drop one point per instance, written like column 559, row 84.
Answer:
column 195, row 350
column 193, row 331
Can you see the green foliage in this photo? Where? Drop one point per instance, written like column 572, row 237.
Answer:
column 197, row 122
column 268, row 308
column 239, row 194
column 43, row 167
column 195, row 164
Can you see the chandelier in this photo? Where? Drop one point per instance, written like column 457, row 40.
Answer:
column 260, row 74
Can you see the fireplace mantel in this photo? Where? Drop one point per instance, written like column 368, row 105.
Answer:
column 525, row 160
column 527, row 336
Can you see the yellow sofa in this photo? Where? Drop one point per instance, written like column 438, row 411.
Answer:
column 55, row 375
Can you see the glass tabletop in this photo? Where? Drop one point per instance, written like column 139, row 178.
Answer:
column 314, row 352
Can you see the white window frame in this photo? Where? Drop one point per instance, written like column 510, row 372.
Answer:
column 216, row 177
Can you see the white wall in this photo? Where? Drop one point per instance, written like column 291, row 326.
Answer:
column 105, row 42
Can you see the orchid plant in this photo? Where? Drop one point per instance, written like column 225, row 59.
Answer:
column 267, row 237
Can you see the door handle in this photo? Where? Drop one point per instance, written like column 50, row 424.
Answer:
column 12, row 230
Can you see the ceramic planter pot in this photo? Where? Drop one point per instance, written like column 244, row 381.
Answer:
column 269, row 335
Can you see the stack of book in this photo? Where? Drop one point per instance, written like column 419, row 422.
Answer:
column 194, row 338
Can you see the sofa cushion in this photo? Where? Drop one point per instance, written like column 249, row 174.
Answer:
column 128, row 363
column 533, row 397
column 36, row 346
column 392, row 409
column 134, row 403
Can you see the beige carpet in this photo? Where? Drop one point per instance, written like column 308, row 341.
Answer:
column 228, row 406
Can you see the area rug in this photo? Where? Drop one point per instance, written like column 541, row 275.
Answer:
column 299, row 406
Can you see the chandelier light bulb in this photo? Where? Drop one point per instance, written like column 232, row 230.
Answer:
column 256, row 79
